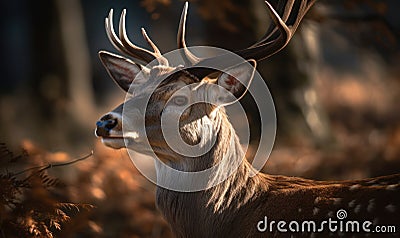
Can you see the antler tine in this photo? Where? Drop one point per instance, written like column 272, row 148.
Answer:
column 161, row 59
column 125, row 46
column 150, row 42
column 134, row 50
column 270, row 43
column 273, row 28
column 109, row 25
column 188, row 56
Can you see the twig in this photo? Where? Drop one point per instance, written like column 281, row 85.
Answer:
column 44, row 167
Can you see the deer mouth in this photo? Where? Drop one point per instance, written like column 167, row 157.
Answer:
column 115, row 142
column 110, row 138
column 116, row 139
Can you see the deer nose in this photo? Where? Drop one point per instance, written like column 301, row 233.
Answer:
column 105, row 124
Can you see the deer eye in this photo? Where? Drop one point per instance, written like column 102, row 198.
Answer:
column 180, row 100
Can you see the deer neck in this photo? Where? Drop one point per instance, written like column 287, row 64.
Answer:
column 231, row 194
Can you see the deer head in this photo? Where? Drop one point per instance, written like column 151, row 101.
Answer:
column 177, row 88
column 193, row 99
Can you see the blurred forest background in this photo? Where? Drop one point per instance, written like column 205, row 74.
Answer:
column 336, row 89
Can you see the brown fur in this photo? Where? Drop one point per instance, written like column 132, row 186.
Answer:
column 234, row 207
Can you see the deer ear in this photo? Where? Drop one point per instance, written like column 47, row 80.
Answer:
column 122, row 70
column 235, row 82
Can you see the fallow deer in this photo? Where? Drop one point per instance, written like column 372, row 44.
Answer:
column 242, row 205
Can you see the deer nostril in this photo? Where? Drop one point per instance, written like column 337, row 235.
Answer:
column 110, row 124
column 107, row 124
column 103, row 127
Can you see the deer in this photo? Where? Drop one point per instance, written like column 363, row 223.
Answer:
column 242, row 205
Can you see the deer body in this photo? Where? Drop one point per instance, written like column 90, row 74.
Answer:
column 235, row 206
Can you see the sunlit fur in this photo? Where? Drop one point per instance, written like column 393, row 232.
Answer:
column 234, row 207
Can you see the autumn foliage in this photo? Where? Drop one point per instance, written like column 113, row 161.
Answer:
column 100, row 196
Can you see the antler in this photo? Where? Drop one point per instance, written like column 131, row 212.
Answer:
column 125, row 46
column 188, row 56
column 278, row 35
